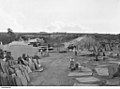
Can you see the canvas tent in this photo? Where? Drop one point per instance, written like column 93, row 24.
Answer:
column 18, row 48
column 17, row 43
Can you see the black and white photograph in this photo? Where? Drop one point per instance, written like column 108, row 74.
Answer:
column 59, row 43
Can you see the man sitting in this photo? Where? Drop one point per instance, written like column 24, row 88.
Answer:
column 117, row 74
column 72, row 64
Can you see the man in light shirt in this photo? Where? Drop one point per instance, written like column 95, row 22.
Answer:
column 72, row 64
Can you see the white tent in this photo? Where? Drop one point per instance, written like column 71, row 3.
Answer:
column 17, row 43
column 18, row 48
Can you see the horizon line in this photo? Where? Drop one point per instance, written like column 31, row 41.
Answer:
column 67, row 32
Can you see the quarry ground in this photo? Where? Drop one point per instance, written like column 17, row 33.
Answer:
column 56, row 69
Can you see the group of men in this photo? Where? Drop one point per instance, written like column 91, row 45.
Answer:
column 44, row 52
column 16, row 72
column 74, row 65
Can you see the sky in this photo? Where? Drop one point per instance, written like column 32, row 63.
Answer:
column 72, row 16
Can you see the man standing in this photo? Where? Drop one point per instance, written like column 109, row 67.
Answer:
column 75, row 52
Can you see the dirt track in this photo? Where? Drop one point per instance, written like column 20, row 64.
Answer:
column 55, row 73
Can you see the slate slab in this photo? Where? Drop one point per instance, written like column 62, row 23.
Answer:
column 102, row 71
column 87, row 79
column 102, row 65
column 85, row 69
column 116, row 62
column 82, row 84
column 112, row 59
column 75, row 74
column 113, row 82
column 39, row 70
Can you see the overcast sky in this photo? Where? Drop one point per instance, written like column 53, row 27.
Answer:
column 89, row 16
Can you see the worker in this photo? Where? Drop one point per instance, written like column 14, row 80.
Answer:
column 77, row 65
column 117, row 74
column 41, row 51
column 72, row 64
column 75, row 52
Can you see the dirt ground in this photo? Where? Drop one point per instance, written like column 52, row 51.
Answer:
column 55, row 71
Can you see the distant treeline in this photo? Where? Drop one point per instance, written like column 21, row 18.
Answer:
column 53, row 38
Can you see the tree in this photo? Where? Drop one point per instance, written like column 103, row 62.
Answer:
column 11, row 34
column 119, row 42
column 24, row 38
column 119, row 37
